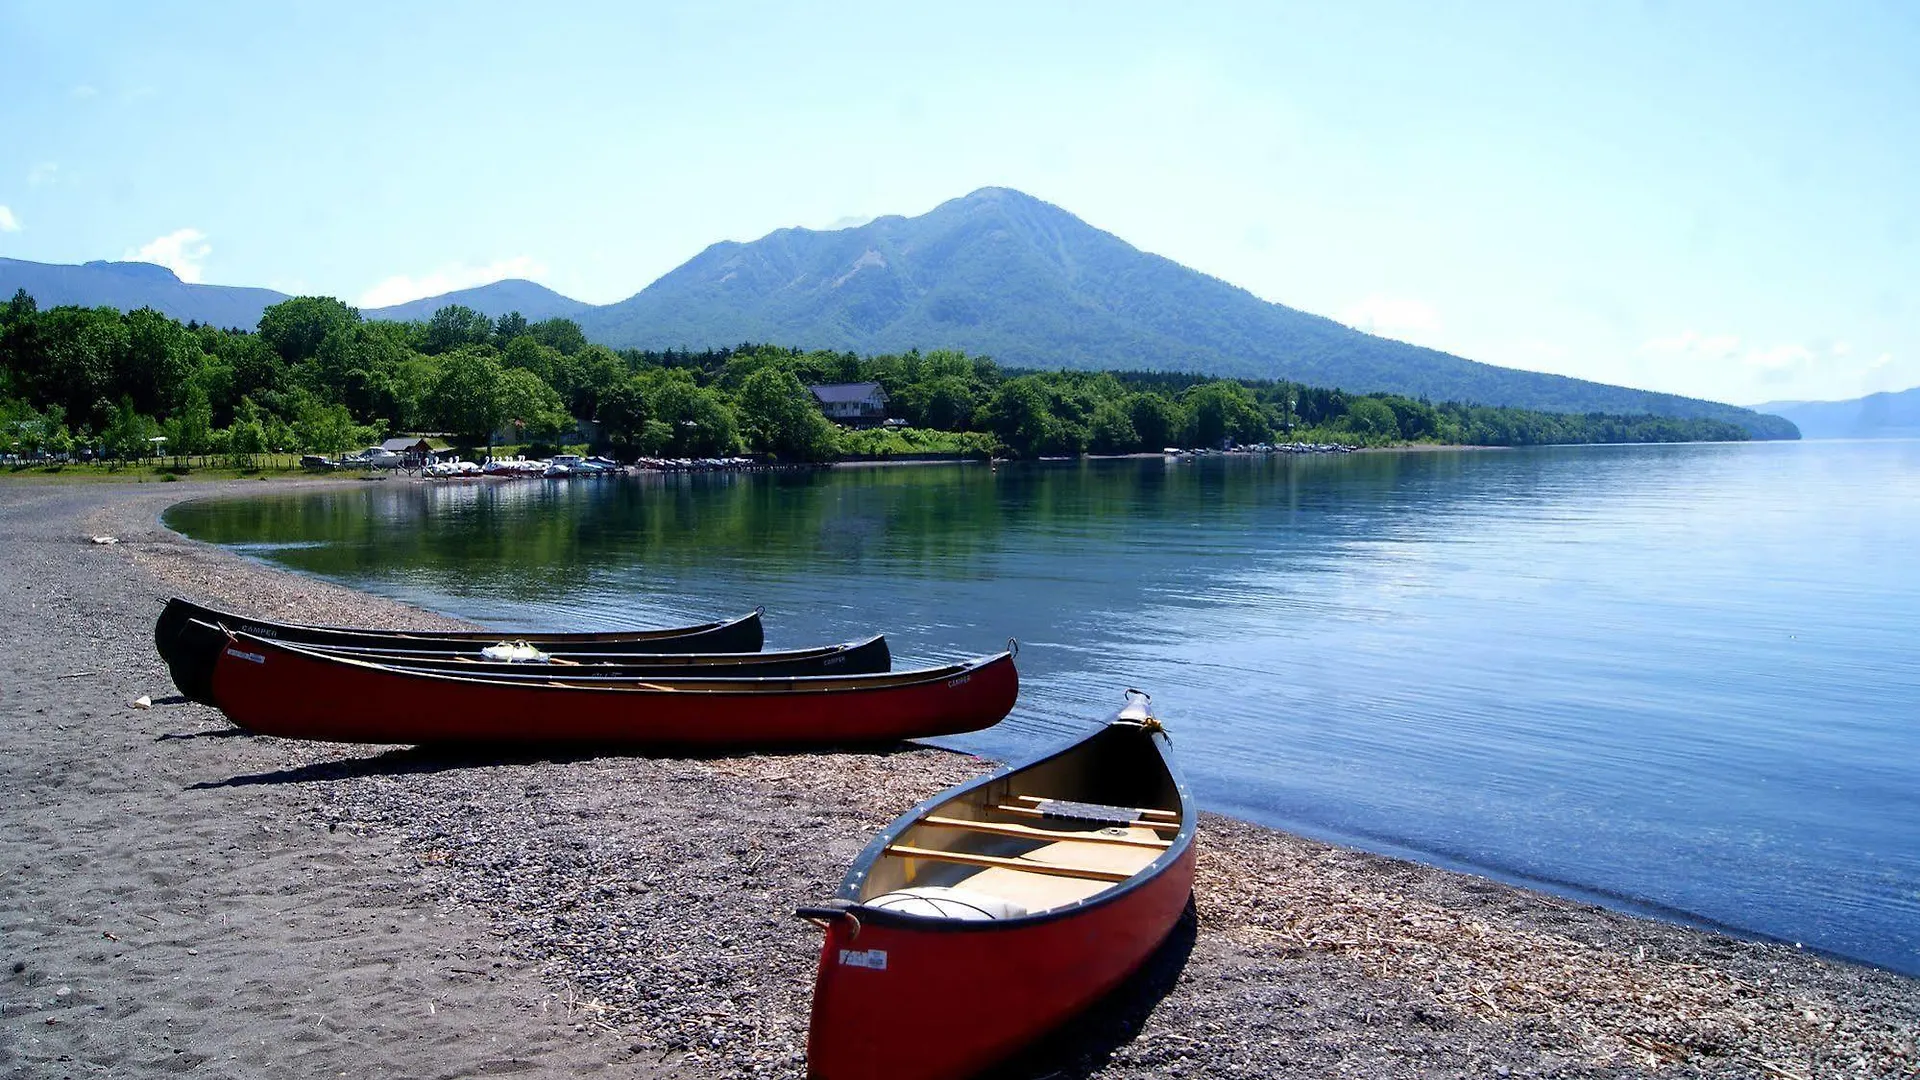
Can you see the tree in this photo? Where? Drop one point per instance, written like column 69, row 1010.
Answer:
column 531, row 406
column 511, row 325
column 246, row 437
column 1370, row 418
column 468, row 397
column 625, row 414
column 129, row 433
column 781, row 418
column 1021, row 417
column 159, row 358
column 1220, row 411
column 456, row 325
column 190, row 430
column 949, row 403
column 1111, row 431
column 1156, row 418
column 20, row 307
column 295, row 328
column 562, row 334
column 699, row 423
column 325, row 429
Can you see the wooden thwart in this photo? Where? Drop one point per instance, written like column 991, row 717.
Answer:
column 968, row 858
column 1003, row 828
column 1028, row 811
column 1137, row 811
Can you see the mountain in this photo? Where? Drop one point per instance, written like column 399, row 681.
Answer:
column 534, row 301
column 132, row 285
column 997, row 272
column 1002, row 273
column 1876, row 416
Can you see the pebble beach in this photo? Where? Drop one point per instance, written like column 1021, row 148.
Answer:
column 177, row 897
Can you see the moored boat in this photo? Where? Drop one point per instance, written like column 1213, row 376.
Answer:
column 278, row 688
column 743, row 634
column 1005, row 906
column 192, row 668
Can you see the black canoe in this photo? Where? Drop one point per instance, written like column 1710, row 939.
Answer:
column 192, row 668
column 743, row 634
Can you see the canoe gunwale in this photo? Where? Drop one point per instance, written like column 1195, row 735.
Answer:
column 185, row 610
column 849, row 892
column 403, row 657
column 715, row 686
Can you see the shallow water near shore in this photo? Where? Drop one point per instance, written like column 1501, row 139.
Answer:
column 1675, row 678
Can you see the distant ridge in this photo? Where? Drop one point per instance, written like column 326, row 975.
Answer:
column 1894, row 415
column 1005, row 274
column 531, row 299
column 132, row 285
column 996, row 272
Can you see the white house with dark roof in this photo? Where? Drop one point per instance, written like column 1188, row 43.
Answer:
column 855, row 404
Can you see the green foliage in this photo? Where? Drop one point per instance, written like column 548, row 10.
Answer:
column 469, row 397
column 294, row 328
column 329, row 429
column 128, row 433
column 1157, row 419
column 531, row 407
column 315, row 376
column 190, row 430
column 912, row 442
column 454, row 326
column 782, row 419
column 1371, row 419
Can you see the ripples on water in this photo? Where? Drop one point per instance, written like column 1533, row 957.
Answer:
column 1678, row 678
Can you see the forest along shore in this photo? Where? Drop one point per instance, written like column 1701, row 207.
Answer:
column 180, row 897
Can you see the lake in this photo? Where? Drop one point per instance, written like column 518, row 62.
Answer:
column 1680, row 680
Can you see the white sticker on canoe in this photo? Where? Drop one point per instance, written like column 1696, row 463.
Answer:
column 875, row 959
column 253, row 656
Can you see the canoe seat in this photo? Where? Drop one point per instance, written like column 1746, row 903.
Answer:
column 1100, row 813
column 942, row 902
column 1110, row 835
column 1030, row 866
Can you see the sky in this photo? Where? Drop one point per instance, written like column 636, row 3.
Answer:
column 1713, row 199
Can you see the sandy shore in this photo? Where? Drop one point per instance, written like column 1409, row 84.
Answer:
column 177, row 898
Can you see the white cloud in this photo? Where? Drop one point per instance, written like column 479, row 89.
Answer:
column 1880, row 361
column 181, row 251
column 83, row 92
column 1694, row 345
column 401, row 288
column 43, row 174
column 1392, row 316
column 1779, row 357
column 8, row 223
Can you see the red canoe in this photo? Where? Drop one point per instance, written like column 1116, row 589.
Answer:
column 272, row 688
column 995, row 911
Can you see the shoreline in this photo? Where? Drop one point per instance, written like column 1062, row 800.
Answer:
column 578, row 914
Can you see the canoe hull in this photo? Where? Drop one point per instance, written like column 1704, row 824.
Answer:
column 197, row 648
column 192, row 668
column 271, row 689
column 953, row 1001
column 914, row 998
column 744, row 634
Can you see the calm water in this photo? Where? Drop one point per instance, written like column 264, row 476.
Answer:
column 1679, row 679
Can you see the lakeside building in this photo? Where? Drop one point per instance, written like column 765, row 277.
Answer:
column 860, row 404
column 414, row 450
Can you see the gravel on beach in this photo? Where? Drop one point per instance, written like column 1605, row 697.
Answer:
column 177, row 897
